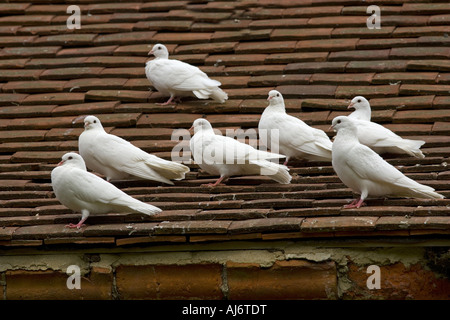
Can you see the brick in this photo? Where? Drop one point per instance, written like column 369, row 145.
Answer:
column 418, row 116
column 24, row 111
column 210, row 48
column 13, row 8
column 236, row 59
column 433, row 41
column 29, row 52
column 55, row 98
column 327, row 45
column 254, row 70
column 225, row 25
column 405, row 77
column 71, row 73
column 66, row 40
column 385, row 43
column 364, row 55
column 181, row 38
column 13, row 63
column 113, row 7
column 125, row 38
column 265, row 225
column 301, row 34
column 51, row 63
column 273, row 80
column 294, row 279
column 426, row 89
column 367, row 91
column 121, row 95
column 430, row 222
column 398, row 281
column 415, row 102
column 335, row 224
column 424, row 8
column 94, row 84
column 420, row 31
column 405, row 20
column 362, row 32
column 123, row 72
column 163, row 25
column 122, row 61
column 87, row 52
column 441, row 102
column 340, row 21
column 438, row 65
column 439, row 19
column 191, row 227
column 48, row 284
column 265, row 47
column 296, row 57
column 13, row 41
column 245, row 34
column 316, row 67
column 376, row 66
column 86, row 108
column 25, row 20
column 278, row 23
column 420, row 53
column 347, row 79
column 33, row 86
column 22, row 135
column 7, row 99
column 14, row 75
column 314, row 11
column 196, row 281
column 307, row 91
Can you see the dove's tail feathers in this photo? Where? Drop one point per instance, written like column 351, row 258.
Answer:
column 145, row 208
column 427, row 194
column 219, row 95
column 275, row 171
column 168, row 169
column 412, row 147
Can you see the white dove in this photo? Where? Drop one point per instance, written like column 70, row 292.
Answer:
column 377, row 137
column 83, row 191
column 366, row 173
column 289, row 135
column 176, row 78
column 225, row 156
column 117, row 158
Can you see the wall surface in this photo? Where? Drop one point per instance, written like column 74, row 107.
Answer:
column 277, row 270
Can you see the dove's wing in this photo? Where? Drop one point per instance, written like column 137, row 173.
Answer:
column 119, row 154
column 373, row 134
column 296, row 134
column 86, row 187
column 181, row 76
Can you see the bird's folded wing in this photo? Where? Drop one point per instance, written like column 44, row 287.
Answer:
column 182, row 76
column 298, row 135
column 368, row 165
column 376, row 135
column 93, row 189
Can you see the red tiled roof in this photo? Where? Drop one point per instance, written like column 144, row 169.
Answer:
column 318, row 53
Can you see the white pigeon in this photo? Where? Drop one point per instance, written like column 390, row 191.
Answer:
column 226, row 157
column 117, row 158
column 176, row 78
column 366, row 173
column 289, row 135
column 83, row 191
column 362, row 108
column 377, row 137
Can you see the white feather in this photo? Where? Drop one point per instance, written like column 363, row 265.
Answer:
column 176, row 78
column 226, row 157
column 295, row 138
column 83, row 191
column 117, row 158
column 365, row 172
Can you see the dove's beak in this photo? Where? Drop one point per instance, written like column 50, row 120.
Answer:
column 269, row 98
column 150, row 52
column 350, row 105
column 191, row 129
column 60, row 163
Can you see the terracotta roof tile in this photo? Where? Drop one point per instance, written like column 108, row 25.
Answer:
column 319, row 54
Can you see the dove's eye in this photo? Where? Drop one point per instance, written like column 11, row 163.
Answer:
column 339, row 121
column 359, row 100
column 70, row 158
column 278, row 94
column 159, row 48
column 95, row 121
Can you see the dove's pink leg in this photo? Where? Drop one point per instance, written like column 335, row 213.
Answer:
column 357, row 203
column 168, row 101
column 78, row 225
column 214, row 184
column 286, row 162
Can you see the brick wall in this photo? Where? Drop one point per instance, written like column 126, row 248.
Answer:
column 330, row 278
